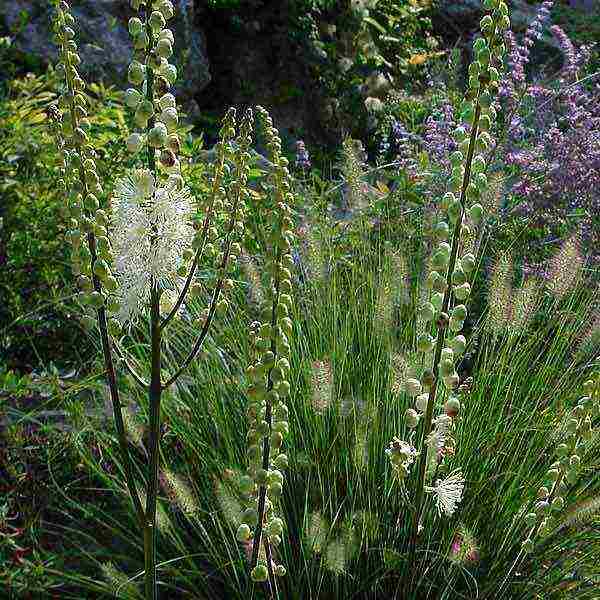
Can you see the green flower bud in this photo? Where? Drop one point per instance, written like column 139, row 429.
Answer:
column 452, row 406
column 413, row 387
column 170, row 118
column 166, row 9
column 157, row 136
column 169, row 72
column 156, row 21
column 558, row 503
column 421, row 402
column 437, row 300
column 250, row 517
column 462, row 292
column 279, row 571
column 275, row 527
column 425, row 343
column 412, row 418
column 243, row 533
column 442, row 230
column 276, row 489
column 476, row 213
column 467, row 262
column 531, row 519
column 446, row 368
column 164, row 48
column 132, row 98
column 136, row 73
column 134, row 143
column 167, row 34
column 281, row 462
column 135, row 26
column 259, row 573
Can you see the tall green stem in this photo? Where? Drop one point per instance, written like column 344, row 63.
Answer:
column 155, row 391
column 152, row 491
column 441, row 337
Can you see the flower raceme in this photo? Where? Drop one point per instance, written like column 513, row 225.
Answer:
column 150, row 230
column 449, row 282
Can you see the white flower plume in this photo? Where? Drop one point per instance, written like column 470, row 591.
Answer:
column 149, row 231
column 448, row 492
column 437, row 438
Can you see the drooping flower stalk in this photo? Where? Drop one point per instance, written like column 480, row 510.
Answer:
column 543, row 519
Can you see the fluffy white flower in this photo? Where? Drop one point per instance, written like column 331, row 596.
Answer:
column 437, row 438
column 150, row 229
column 448, row 492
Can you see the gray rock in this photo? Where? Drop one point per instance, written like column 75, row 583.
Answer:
column 104, row 43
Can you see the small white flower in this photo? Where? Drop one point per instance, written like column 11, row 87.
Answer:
column 437, row 438
column 448, row 492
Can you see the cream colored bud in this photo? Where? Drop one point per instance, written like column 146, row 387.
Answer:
column 170, row 118
column 157, row 136
column 134, row 143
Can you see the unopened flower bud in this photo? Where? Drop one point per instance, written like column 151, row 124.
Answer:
column 412, row 418
column 157, row 136
column 452, row 406
column 413, row 387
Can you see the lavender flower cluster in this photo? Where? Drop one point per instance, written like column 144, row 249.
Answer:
column 551, row 144
column 554, row 141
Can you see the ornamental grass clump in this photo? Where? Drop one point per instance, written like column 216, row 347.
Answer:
column 319, row 387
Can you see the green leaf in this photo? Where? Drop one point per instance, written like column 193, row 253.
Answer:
column 375, row 24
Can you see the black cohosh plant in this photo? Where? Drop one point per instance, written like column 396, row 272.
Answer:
column 137, row 260
column 452, row 269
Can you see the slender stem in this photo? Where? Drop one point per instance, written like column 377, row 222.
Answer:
column 199, row 341
column 154, row 400
column 215, row 299
column 442, row 333
column 200, row 251
column 262, row 495
column 117, row 412
column 155, row 390
column 129, row 368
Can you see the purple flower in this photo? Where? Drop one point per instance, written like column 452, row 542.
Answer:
column 302, row 157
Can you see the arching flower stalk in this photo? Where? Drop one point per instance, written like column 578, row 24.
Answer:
column 452, row 270
column 577, row 429
column 139, row 257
